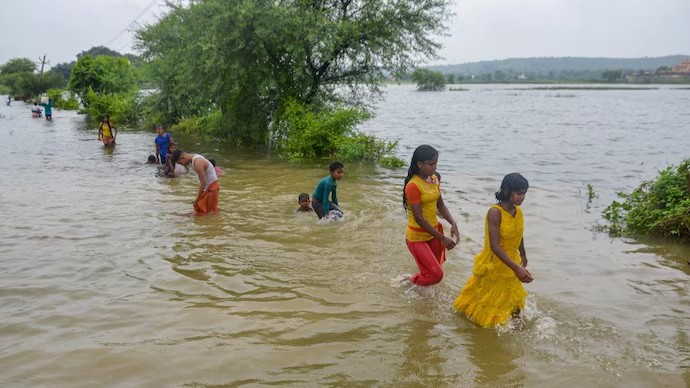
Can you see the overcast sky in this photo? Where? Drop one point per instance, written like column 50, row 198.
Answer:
column 480, row 30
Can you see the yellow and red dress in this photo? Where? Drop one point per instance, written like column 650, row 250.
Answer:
column 429, row 252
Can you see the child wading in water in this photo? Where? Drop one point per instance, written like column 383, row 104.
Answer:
column 107, row 131
column 303, row 200
column 422, row 199
column 161, row 141
column 494, row 293
column 206, row 201
column 326, row 187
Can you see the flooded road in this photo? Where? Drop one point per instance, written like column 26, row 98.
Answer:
column 107, row 280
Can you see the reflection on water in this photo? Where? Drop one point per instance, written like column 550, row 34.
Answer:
column 107, row 278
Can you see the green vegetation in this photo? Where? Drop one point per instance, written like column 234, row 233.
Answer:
column 63, row 99
column 106, row 84
column 660, row 207
column 18, row 77
column 563, row 69
column 328, row 133
column 428, row 80
column 590, row 193
column 261, row 64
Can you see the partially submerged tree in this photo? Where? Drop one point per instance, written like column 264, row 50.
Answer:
column 429, row 80
column 249, row 58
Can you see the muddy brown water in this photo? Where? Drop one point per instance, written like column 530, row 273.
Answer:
column 105, row 279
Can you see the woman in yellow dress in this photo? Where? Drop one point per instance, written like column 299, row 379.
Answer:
column 107, row 131
column 494, row 293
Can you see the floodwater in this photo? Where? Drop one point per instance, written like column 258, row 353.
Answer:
column 106, row 278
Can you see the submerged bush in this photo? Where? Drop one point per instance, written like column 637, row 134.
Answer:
column 329, row 133
column 659, row 207
column 63, row 99
column 207, row 126
column 123, row 108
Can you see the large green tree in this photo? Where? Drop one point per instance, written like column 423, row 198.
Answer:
column 247, row 58
column 19, row 77
column 18, row 65
column 102, row 74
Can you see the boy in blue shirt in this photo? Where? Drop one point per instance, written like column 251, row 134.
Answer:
column 326, row 186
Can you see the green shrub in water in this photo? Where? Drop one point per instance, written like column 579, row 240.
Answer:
column 659, row 207
column 207, row 126
column 302, row 133
column 123, row 108
column 63, row 99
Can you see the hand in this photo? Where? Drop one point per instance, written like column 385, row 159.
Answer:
column 523, row 274
column 454, row 232
column 448, row 242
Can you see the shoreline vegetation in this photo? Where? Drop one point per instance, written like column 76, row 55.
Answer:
column 656, row 208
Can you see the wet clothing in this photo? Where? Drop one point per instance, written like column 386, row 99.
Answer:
column 209, row 171
column 208, row 202
column 326, row 186
column 429, row 252
column 318, row 208
column 493, row 292
column 107, row 133
column 162, row 142
column 48, row 109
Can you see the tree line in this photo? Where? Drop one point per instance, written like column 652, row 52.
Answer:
column 265, row 73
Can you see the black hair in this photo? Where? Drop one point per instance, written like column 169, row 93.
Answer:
column 335, row 165
column 512, row 183
column 302, row 196
column 422, row 153
column 170, row 145
column 213, row 162
column 152, row 159
column 176, row 156
column 106, row 115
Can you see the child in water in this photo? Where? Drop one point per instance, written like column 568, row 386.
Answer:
column 494, row 293
column 424, row 234
column 36, row 111
column 151, row 159
column 303, row 200
column 327, row 186
column 173, row 169
column 106, row 131
column 162, row 141
column 219, row 172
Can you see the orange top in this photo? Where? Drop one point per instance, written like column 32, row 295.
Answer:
column 420, row 192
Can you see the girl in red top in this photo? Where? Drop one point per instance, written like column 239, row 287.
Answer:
column 422, row 199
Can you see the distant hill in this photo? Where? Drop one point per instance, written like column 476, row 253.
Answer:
column 560, row 64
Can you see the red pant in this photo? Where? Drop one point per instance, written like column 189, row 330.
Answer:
column 429, row 256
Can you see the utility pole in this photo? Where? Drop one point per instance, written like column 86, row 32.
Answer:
column 43, row 62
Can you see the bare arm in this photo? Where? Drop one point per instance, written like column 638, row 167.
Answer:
column 494, row 220
column 523, row 254
column 421, row 221
column 445, row 213
column 199, row 166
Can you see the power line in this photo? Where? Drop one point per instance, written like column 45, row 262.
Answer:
column 131, row 23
